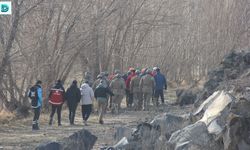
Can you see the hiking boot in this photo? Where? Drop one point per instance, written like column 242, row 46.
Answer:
column 85, row 123
column 101, row 122
column 59, row 124
column 35, row 127
column 50, row 122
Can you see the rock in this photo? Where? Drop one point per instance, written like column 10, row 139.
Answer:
column 81, row 140
column 231, row 73
column 217, row 74
column 215, row 110
column 154, row 134
column 234, row 66
column 233, row 59
column 193, row 137
column 237, row 133
column 49, row 146
column 241, row 108
column 144, row 136
column 247, row 58
column 185, row 97
column 169, row 123
column 122, row 132
column 211, row 85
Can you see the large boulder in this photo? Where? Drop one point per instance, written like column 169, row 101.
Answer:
column 234, row 66
column 192, row 137
column 185, row 97
column 151, row 135
column 169, row 123
column 81, row 140
column 214, row 111
column 237, row 133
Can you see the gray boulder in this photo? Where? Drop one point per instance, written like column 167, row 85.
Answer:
column 247, row 58
column 122, row 132
column 193, row 137
column 169, row 123
column 81, row 140
column 185, row 97
column 49, row 146
column 233, row 59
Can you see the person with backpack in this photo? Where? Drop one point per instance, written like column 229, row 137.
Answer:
column 118, row 87
column 101, row 93
column 129, row 93
column 86, row 101
column 35, row 94
column 147, row 85
column 73, row 96
column 135, row 90
column 56, row 99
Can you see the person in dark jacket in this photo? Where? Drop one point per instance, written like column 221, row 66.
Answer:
column 35, row 94
column 161, row 84
column 73, row 96
column 56, row 99
column 100, row 94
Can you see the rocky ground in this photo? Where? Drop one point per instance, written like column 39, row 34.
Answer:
column 17, row 133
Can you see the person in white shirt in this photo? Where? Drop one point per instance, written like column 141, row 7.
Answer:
column 86, row 101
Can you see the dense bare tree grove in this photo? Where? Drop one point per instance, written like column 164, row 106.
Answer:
column 52, row 39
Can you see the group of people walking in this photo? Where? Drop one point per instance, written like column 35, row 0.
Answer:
column 139, row 86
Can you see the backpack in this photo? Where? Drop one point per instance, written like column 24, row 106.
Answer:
column 33, row 95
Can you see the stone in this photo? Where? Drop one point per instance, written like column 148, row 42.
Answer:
column 193, row 137
column 185, row 97
column 169, row 123
column 49, row 146
column 80, row 140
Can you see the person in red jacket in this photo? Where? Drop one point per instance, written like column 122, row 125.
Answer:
column 56, row 99
column 130, row 95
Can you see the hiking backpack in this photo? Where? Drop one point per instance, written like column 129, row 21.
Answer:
column 33, row 95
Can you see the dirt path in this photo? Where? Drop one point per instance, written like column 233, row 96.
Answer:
column 17, row 134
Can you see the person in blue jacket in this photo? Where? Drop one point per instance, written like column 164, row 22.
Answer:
column 35, row 94
column 161, row 84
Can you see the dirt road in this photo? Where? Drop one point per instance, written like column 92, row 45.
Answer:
column 17, row 134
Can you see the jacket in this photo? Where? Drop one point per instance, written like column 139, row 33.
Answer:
column 57, row 95
column 147, row 84
column 39, row 96
column 134, row 84
column 101, row 91
column 160, row 81
column 128, row 80
column 73, row 95
column 117, row 86
column 87, row 94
